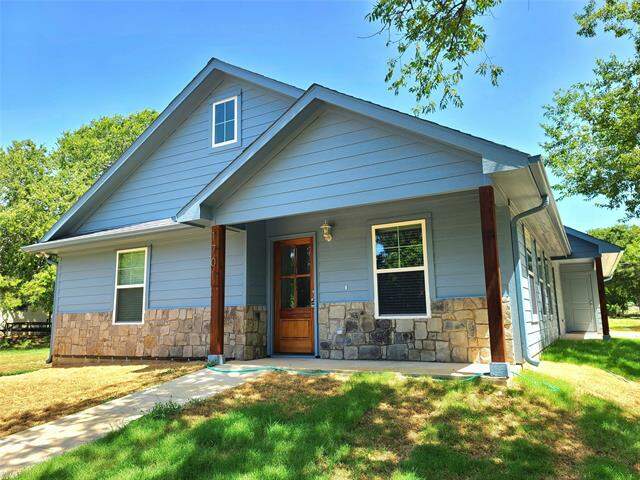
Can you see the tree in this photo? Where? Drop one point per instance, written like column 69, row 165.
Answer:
column 29, row 193
column 37, row 186
column 593, row 128
column 624, row 287
column 439, row 37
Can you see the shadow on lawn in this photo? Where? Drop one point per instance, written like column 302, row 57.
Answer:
column 372, row 426
column 261, row 440
column 617, row 355
column 614, row 439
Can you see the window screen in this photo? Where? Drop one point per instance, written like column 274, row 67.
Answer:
column 130, row 284
column 399, row 269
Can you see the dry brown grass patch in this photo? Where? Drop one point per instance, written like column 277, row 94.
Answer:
column 289, row 389
column 38, row 397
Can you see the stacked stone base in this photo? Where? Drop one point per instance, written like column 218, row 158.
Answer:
column 245, row 332
column 165, row 334
column 457, row 331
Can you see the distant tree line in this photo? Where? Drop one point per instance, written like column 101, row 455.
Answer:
column 39, row 184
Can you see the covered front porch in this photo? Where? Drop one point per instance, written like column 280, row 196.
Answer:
column 314, row 284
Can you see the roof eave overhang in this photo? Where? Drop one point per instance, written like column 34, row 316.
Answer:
column 91, row 239
column 524, row 189
column 542, row 181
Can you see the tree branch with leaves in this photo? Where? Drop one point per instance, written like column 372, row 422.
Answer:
column 435, row 41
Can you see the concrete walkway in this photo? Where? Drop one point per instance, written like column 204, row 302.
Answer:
column 41, row 442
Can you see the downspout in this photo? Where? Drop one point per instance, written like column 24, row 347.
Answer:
column 55, row 309
column 516, row 261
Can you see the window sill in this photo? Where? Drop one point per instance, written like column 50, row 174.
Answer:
column 420, row 316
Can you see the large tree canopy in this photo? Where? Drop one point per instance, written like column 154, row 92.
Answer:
column 435, row 40
column 593, row 127
column 37, row 186
column 624, row 287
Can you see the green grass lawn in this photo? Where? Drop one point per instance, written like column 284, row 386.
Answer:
column 617, row 355
column 369, row 426
column 22, row 358
column 628, row 323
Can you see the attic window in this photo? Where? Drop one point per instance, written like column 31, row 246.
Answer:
column 225, row 121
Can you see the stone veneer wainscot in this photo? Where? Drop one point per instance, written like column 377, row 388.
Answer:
column 165, row 333
column 457, row 331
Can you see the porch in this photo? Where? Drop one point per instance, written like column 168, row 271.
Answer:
column 311, row 284
column 433, row 369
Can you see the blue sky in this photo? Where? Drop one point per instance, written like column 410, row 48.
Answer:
column 63, row 64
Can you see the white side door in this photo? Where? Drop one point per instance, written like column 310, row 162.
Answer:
column 579, row 309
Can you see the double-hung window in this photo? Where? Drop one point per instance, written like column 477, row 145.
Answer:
column 225, row 122
column 400, row 269
column 131, row 277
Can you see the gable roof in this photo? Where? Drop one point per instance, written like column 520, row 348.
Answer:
column 585, row 246
column 169, row 118
column 602, row 246
column 495, row 157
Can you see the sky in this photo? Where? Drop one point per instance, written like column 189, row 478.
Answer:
column 63, row 64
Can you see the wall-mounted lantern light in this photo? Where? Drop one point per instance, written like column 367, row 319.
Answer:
column 326, row 231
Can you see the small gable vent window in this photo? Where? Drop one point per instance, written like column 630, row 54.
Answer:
column 225, row 122
column 400, row 272
column 131, row 277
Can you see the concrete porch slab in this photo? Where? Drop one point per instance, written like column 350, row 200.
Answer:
column 434, row 369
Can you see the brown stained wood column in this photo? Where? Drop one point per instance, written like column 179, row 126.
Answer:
column 492, row 278
column 218, row 242
column 604, row 313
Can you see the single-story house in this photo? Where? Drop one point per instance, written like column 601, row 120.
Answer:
column 254, row 218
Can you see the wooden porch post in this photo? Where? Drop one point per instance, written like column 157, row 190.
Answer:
column 492, row 279
column 218, row 241
column 603, row 298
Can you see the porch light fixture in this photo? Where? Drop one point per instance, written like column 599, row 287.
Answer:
column 326, row 231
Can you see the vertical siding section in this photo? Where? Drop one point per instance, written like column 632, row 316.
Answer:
column 235, row 268
column 186, row 161
column 345, row 264
column 343, row 159
column 256, row 264
column 179, row 273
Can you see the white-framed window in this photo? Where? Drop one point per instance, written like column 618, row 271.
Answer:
column 400, row 278
column 130, row 286
column 225, row 122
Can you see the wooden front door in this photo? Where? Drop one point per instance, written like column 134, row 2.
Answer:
column 293, row 295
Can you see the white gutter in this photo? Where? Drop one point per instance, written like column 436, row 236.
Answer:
column 518, row 271
column 115, row 234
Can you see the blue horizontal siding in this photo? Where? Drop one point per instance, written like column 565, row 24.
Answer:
column 185, row 161
column 342, row 159
column 179, row 273
column 456, row 253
